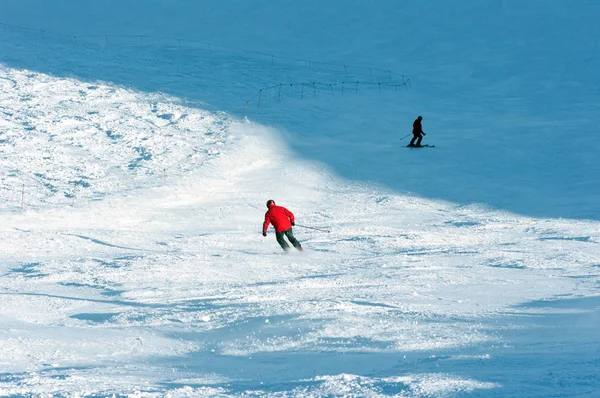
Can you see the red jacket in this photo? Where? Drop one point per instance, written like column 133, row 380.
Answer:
column 280, row 217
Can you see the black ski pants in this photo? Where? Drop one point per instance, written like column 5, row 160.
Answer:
column 418, row 137
column 290, row 235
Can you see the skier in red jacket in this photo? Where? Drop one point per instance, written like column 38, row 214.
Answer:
column 283, row 221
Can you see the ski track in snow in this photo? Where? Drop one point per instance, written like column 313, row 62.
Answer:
column 138, row 271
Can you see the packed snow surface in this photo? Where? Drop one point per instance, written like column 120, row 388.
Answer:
column 139, row 142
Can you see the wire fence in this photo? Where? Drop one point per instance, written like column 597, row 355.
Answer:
column 180, row 42
column 303, row 90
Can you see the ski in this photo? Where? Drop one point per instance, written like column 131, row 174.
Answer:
column 422, row 146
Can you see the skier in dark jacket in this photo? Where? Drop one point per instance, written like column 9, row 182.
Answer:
column 418, row 132
column 283, row 221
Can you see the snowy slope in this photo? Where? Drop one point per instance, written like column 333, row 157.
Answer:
column 133, row 195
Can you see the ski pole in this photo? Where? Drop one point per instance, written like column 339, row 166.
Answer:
column 405, row 136
column 318, row 229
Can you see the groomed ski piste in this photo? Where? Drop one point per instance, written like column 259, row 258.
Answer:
column 132, row 262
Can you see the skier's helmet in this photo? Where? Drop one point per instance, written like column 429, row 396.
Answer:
column 420, row 118
column 270, row 203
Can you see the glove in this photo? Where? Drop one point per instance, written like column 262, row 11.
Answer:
column 293, row 223
column 264, row 234
column 424, row 133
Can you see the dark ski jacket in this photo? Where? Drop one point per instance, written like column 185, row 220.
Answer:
column 417, row 127
column 280, row 217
